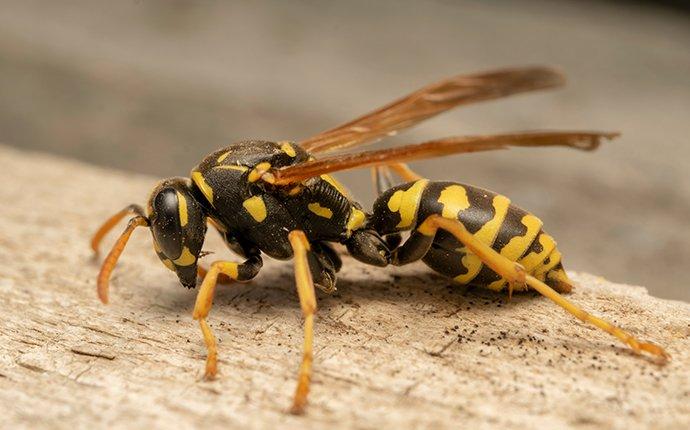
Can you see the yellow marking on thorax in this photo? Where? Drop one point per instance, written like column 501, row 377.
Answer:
column 454, row 199
column 232, row 167
column 407, row 202
column 223, row 156
column 185, row 259
column 295, row 190
column 287, row 148
column 256, row 208
column 200, row 182
column 320, row 210
column 258, row 171
column 337, row 185
column 356, row 219
column 182, row 208
column 487, row 234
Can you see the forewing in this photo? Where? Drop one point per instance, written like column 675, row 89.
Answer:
column 432, row 100
column 584, row 140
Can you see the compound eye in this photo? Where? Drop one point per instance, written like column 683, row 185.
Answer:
column 166, row 223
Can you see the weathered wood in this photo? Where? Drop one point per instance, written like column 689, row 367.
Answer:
column 394, row 347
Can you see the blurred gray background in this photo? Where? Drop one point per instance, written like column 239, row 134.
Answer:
column 152, row 86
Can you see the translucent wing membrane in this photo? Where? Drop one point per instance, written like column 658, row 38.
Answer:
column 435, row 148
column 432, row 100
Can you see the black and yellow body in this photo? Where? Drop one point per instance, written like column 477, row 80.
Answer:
column 256, row 217
column 275, row 199
column 474, row 236
column 263, row 214
column 490, row 217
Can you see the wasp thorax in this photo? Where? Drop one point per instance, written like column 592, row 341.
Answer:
column 178, row 225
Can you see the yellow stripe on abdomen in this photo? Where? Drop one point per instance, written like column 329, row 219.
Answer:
column 487, row 234
column 553, row 259
column 532, row 260
column 518, row 245
column 454, row 199
column 406, row 203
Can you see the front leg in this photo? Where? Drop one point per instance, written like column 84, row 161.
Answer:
column 204, row 300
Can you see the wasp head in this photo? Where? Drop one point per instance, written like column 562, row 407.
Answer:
column 178, row 225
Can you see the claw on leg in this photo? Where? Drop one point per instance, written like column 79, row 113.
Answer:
column 212, row 357
column 619, row 333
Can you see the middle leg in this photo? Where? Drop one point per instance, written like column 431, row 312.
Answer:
column 307, row 300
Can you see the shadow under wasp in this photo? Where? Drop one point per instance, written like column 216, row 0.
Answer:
column 277, row 199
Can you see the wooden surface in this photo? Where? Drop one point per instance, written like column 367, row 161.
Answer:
column 397, row 348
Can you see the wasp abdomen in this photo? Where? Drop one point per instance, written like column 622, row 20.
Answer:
column 490, row 217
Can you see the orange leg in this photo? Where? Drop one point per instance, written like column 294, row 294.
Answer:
column 622, row 335
column 223, row 279
column 307, row 299
column 514, row 273
column 404, row 171
column 382, row 178
column 204, row 301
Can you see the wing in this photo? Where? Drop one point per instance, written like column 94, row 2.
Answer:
column 432, row 100
column 435, row 148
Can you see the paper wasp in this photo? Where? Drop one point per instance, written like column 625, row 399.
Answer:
column 278, row 199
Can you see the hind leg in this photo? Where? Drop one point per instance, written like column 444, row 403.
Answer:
column 514, row 273
column 381, row 175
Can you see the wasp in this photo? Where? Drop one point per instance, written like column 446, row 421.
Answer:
column 277, row 199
